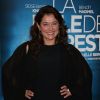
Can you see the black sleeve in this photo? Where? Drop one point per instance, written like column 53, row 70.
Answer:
column 8, row 72
column 83, row 75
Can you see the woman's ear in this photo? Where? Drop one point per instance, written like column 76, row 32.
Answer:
column 38, row 26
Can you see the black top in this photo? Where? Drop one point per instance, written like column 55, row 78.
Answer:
column 50, row 74
column 56, row 65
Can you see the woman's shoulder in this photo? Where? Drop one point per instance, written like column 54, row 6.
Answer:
column 72, row 49
column 22, row 46
column 75, row 54
column 21, row 49
column 78, row 58
column 15, row 57
column 18, row 53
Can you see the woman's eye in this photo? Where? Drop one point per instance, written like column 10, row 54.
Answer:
column 45, row 24
column 54, row 23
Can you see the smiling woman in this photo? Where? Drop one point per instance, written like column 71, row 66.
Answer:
column 47, row 67
column 49, row 28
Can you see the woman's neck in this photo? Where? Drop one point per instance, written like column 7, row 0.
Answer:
column 49, row 42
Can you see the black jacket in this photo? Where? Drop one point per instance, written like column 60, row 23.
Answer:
column 80, row 82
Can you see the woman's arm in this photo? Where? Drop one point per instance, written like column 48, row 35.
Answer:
column 82, row 73
column 8, row 74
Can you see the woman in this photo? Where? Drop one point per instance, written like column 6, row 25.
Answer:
column 47, row 67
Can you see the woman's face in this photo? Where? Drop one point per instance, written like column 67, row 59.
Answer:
column 49, row 28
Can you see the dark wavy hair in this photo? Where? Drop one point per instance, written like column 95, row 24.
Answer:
column 37, row 38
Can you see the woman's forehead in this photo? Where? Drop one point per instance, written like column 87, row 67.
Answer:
column 49, row 18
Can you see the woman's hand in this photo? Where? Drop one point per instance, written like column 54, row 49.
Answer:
column 29, row 94
column 65, row 91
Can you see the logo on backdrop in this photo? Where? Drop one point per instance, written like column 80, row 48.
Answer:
column 84, row 27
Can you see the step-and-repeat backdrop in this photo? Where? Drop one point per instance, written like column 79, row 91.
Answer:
column 81, row 16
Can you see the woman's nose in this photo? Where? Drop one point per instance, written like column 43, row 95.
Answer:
column 51, row 27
